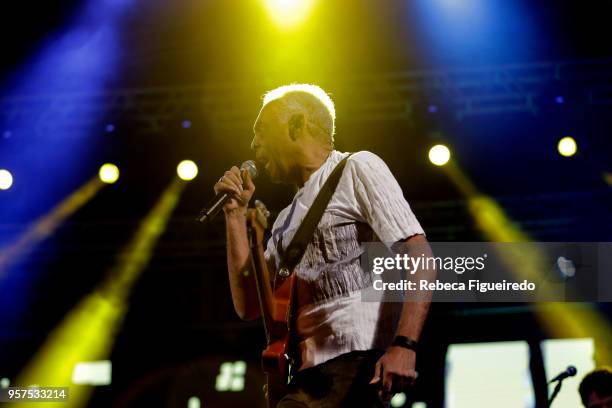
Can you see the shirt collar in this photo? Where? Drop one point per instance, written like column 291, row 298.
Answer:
column 331, row 158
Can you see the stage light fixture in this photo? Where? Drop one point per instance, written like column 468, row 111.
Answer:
column 6, row 179
column 439, row 155
column 187, row 170
column 109, row 173
column 567, row 146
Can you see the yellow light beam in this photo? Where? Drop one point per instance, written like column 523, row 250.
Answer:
column 558, row 318
column 88, row 332
column 47, row 224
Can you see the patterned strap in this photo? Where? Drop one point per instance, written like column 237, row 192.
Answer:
column 294, row 252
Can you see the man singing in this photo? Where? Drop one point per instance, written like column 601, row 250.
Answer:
column 352, row 353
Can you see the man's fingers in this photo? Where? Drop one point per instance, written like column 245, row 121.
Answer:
column 377, row 373
column 236, row 173
column 235, row 170
column 400, row 384
column 248, row 181
column 404, row 381
column 233, row 178
column 225, row 187
column 387, row 384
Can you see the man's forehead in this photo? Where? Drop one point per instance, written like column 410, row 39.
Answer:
column 263, row 117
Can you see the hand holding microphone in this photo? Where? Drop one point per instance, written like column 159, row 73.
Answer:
column 233, row 191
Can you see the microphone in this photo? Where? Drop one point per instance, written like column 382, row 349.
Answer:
column 215, row 205
column 570, row 371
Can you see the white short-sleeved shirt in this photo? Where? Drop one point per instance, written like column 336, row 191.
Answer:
column 368, row 205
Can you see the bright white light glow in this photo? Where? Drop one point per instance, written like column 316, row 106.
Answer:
column 439, row 155
column 503, row 370
column 187, row 170
column 194, row 402
column 560, row 353
column 231, row 376
column 288, row 14
column 6, row 179
column 398, row 400
column 109, row 173
column 92, row 373
column 567, row 146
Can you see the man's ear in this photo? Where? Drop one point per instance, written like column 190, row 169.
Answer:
column 296, row 125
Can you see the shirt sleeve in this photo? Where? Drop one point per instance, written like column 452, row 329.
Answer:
column 381, row 200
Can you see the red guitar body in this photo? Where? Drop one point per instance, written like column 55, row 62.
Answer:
column 276, row 304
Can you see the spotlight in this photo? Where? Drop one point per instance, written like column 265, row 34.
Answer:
column 567, row 146
column 6, row 179
column 432, row 109
column 187, row 170
column 109, row 173
column 186, row 124
column 559, row 99
column 439, row 155
column 110, row 128
column 289, row 13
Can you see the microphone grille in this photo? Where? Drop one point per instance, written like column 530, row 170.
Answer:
column 571, row 370
column 249, row 166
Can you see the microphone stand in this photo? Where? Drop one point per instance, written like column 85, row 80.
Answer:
column 555, row 391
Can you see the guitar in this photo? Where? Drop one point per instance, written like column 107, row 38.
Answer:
column 276, row 304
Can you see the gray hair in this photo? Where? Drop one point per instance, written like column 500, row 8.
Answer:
column 312, row 99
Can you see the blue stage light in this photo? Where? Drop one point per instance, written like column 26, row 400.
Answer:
column 77, row 60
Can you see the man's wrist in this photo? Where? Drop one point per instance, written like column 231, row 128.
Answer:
column 405, row 342
column 235, row 212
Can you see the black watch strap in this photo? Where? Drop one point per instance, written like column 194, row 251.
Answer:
column 405, row 342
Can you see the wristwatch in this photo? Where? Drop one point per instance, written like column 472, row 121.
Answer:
column 405, row 342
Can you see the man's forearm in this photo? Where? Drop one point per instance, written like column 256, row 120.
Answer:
column 242, row 282
column 412, row 319
column 416, row 305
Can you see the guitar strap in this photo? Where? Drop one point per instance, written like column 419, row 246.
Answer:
column 294, row 252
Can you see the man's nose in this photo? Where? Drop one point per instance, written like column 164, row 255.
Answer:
column 254, row 143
